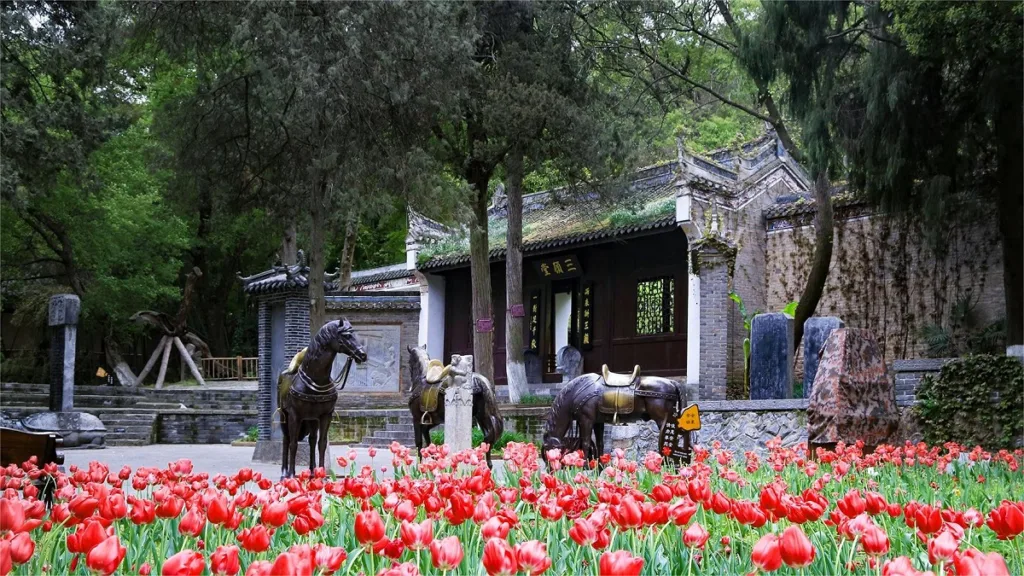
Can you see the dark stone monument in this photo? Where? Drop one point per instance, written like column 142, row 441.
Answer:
column 534, row 370
column 771, row 357
column 63, row 321
column 816, row 331
column 569, row 363
column 853, row 397
column 76, row 428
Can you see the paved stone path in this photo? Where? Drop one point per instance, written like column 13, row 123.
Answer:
column 212, row 458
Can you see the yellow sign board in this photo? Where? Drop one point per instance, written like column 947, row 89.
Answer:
column 689, row 420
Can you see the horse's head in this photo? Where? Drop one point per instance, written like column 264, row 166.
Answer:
column 550, row 442
column 345, row 341
column 418, row 360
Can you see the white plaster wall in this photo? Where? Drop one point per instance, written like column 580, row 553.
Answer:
column 563, row 313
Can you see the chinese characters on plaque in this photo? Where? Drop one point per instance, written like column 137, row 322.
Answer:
column 587, row 317
column 676, row 435
column 534, row 343
column 560, row 267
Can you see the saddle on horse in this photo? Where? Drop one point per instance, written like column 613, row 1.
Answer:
column 619, row 396
column 437, row 381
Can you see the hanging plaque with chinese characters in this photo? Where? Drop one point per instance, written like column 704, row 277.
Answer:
column 587, row 317
column 558, row 268
column 534, row 316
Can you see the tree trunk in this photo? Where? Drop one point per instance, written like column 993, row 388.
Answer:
column 317, row 306
column 480, row 274
column 815, row 286
column 1010, row 173
column 289, row 247
column 122, row 372
column 348, row 252
column 515, row 364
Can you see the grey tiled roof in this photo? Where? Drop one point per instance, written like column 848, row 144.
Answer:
column 381, row 276
column 558, row 218
column 280, row 278
column 806, row 205
column 392, row 301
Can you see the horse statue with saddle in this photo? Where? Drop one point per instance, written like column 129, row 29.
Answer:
column 306, row 394
column 430, row 378
column 593, row 400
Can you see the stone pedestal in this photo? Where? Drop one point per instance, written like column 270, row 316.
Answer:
column 771, row 357
column 63, row 322
column 569, row 363
column 816, row 331
column 458, row 405
column 269, row 452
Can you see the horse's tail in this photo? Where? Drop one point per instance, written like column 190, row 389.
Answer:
column 482, row 387
column 682, row 400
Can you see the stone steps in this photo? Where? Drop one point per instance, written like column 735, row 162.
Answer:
column 129, row 428
column 399, row 428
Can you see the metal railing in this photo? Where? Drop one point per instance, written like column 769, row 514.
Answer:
column 231, row 368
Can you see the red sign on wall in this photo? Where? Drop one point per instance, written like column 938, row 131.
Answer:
column 484, row 325
column 517, row 311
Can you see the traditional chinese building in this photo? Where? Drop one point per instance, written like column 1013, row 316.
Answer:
column 644, row 276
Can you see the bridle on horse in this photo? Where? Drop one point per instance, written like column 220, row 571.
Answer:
column 333, row 386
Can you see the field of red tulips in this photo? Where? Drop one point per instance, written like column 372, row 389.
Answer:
column 898, row 511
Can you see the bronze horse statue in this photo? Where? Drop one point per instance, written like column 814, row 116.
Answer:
column 593, row 400
column 306, row 394
column 426, row 403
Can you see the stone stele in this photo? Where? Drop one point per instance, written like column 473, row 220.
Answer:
column 816, row 331
column 458, row 405
column 853, row 397
column 76, row 428
column 771, row 357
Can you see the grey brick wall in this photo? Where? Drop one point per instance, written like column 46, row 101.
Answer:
column 202, row 428
column 296, row 317
column 908, row 374
column 265, row 377
column 714, row 327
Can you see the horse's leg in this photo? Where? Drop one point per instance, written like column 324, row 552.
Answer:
column 294, row 424
column 417, row 433
column 599, row 437
column 285, row 442
column 484, row 422
column 314, row 430
column 325, row 427
column 586, row 426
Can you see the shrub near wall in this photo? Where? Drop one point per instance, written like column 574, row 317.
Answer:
column 975, row 400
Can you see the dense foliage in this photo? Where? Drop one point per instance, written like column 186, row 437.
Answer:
column 897, row 511
column 978, row 399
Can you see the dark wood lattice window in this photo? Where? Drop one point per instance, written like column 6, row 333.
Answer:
column 655, row 306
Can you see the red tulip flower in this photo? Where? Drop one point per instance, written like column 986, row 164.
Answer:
column 766, row 555
column 184, row 563
column 329, row 558
column 628, row 514
column 620, row 563
column 369, row 527
column 224, row 561
column 928, row 519
column 852, row 504
column 720, row 503
column 106, row 556
column 942, row 547
column 446, row 554
column 193, row 522
column 495, row 528
column 143, row 511
column 274, row 514
column 417, row 536
column 259, row 568
column 391, row 548
column 900, row 567
column 89, row 534
column 1007, row 520
column 12, row 515
column 6, row 563
column 975, row 563
column 661, row 493
column 875, row 541
column 532, row 557
column 681, row 512
column 291, row 564
column 583, row 532
column 170, row 507
column 255, row 539
column 695, row 536
column 499, row 558
column 219, row 511
column 22, row 548
column 797, row 551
